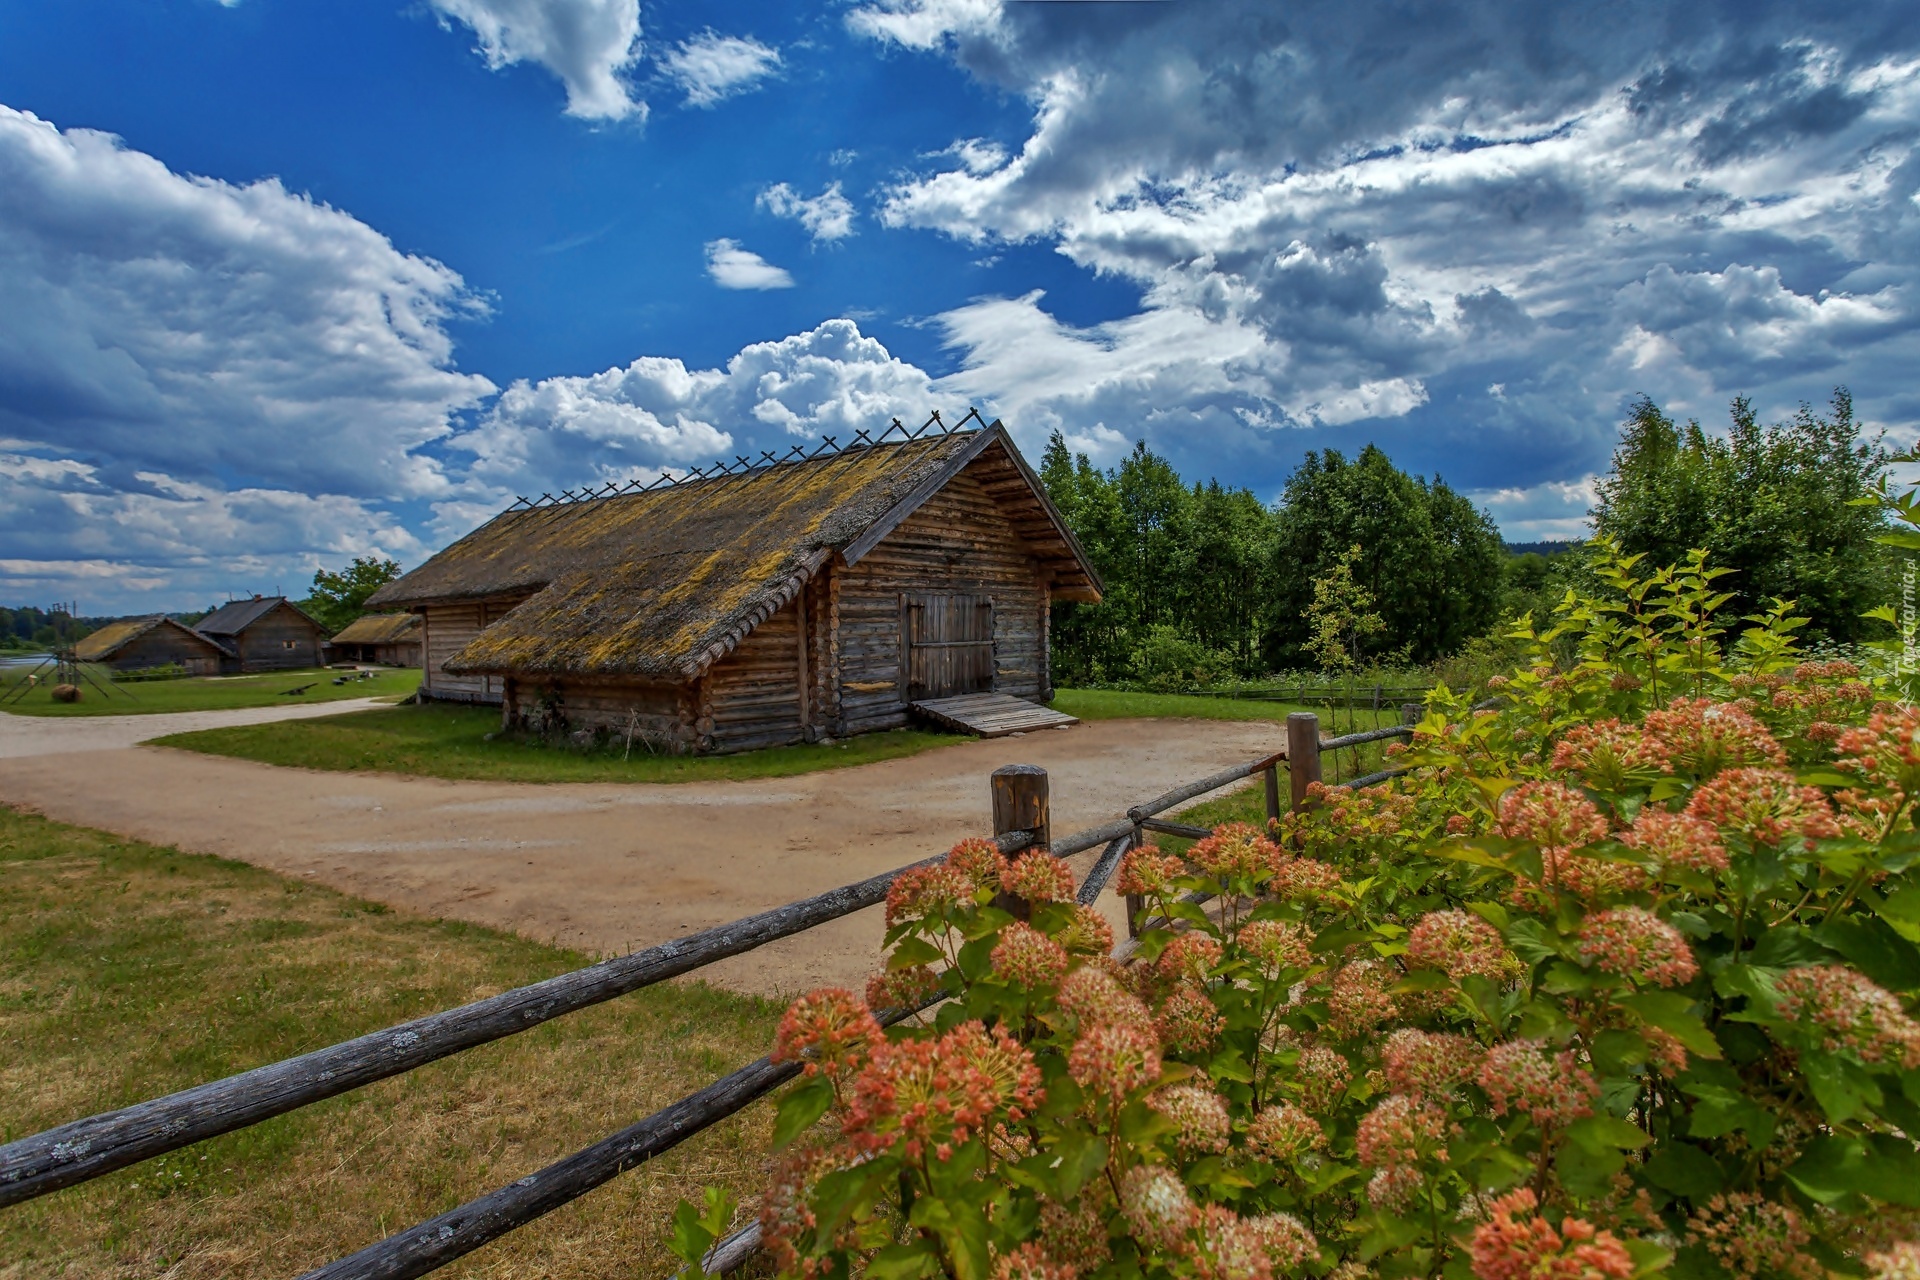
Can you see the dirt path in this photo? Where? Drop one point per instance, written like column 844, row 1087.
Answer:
column 63, row 735
column 608, row 867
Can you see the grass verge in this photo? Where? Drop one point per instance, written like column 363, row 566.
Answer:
column 1116, row 704
column 446, row 740
column 204, row 693
column 127, row 971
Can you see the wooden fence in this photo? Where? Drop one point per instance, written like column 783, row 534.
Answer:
column 85, row 1149
column 1378, row 696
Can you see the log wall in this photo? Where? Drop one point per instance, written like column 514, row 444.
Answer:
column 449, row 628
column 281, row 640
column 163, row 646
column 756, row 691
column 959, row 541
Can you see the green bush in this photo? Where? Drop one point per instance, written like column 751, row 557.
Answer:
column 1617, row 980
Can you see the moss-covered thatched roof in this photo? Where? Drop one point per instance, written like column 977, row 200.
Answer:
column 661, row 583
column 379, row 628
column 101, row 645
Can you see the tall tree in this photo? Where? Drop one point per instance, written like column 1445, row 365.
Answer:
column 1777, row 504
column 1429, row 559
column 340, row 597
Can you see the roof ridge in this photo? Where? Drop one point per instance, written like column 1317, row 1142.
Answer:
column 829, row 447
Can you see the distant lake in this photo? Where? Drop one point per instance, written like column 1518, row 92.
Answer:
column 23, row 659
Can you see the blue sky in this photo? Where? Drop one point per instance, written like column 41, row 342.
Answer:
column 287, row 281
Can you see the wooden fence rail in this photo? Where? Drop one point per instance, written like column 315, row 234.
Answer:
column 86, row 1149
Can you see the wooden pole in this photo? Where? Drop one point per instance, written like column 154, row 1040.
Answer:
column 1410, row 712
column 1303, row 754
column 1020, row 804
column 1271, row 776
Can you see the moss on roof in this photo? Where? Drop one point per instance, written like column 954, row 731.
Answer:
column 659, row 584
column 98, row 646
column 379, row 628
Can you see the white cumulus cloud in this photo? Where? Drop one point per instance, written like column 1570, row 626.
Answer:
column 711, row 67
column 733, row 267
column 827, row 216
column 588, row 44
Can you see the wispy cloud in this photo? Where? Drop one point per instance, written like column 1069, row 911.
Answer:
column 735, row 268
column 587, row 43
column 711, row 67
column 827, row 216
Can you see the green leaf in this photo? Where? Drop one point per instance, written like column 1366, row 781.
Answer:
column 1588, row 1170
column 1829, row 1169
column 913, row 951
column 691, row 1239
column 1229, row 1065
column 1901, row 906
column 803, row 1104
column 1077, row 1158
column 1603, row 1131
column 904, row 1261
column 1841, row 1089
column 1673, row 1013
column 1873, row 946
column 838, row 1195
column 1685, row 1170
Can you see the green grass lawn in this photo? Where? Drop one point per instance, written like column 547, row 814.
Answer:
column 446, row 740
column 1114, row 704
column 201, row 693
column 128, row 971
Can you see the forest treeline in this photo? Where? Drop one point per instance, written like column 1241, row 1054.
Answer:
column 1205, row 582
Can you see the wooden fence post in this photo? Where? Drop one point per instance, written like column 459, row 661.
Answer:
column 1020, row 803
column 1410, row 712
column 1271, row 775
column 1303, row 754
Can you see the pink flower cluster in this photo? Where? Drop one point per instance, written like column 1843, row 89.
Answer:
column 1887, row 750
column 1028, row 958
column 928, row 893
column 1701, row 737
column 1427, row 1064
column 907, row 988
column 1038, row 876
column 1235, row 850
column 1458, row 943
column 1851, row 1014
column 1283, row 1133
column 1750, row 1236
column 1031, row 1261
column 1115, row 1060
column 1632, row 942
column 1322, row 1076
column 926, row 1096
column 1516, row 1243
column 1200, row 1121
column 1277, row 944
column 1358, row 999
column 1146, row 871
column 1765, row 805
column 1607, row 753
column 1547, row 1087
column 1297, row 878
column 979, row 860
column 1188, row 1022
column 1678, row 840
column 1400, row 1132
column 1093, row 997
column 826, row 1029
column 1550, row 814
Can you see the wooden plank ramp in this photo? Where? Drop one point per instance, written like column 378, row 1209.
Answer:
column 991, row 715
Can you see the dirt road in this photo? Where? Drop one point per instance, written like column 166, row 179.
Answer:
column 63, row 735
column 607, row 867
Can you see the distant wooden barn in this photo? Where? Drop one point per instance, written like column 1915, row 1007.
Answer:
column 266, row 633
column 143, row 644
column 389, row 639
column 768, row 604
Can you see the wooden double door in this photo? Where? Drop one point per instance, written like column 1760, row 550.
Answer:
column 948, row 643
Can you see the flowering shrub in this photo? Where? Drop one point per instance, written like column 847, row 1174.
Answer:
column 1618, row 979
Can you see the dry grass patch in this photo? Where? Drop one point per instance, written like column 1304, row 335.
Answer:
column 127, row 971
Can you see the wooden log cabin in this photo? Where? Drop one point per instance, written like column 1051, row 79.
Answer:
column 144, row 644
column 386, row 639
column 780, row 603
column 265, row 633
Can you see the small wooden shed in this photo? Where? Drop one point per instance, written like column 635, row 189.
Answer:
column 140, row 644
column 266, row 633
column 766, row 604
column 388, row 639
